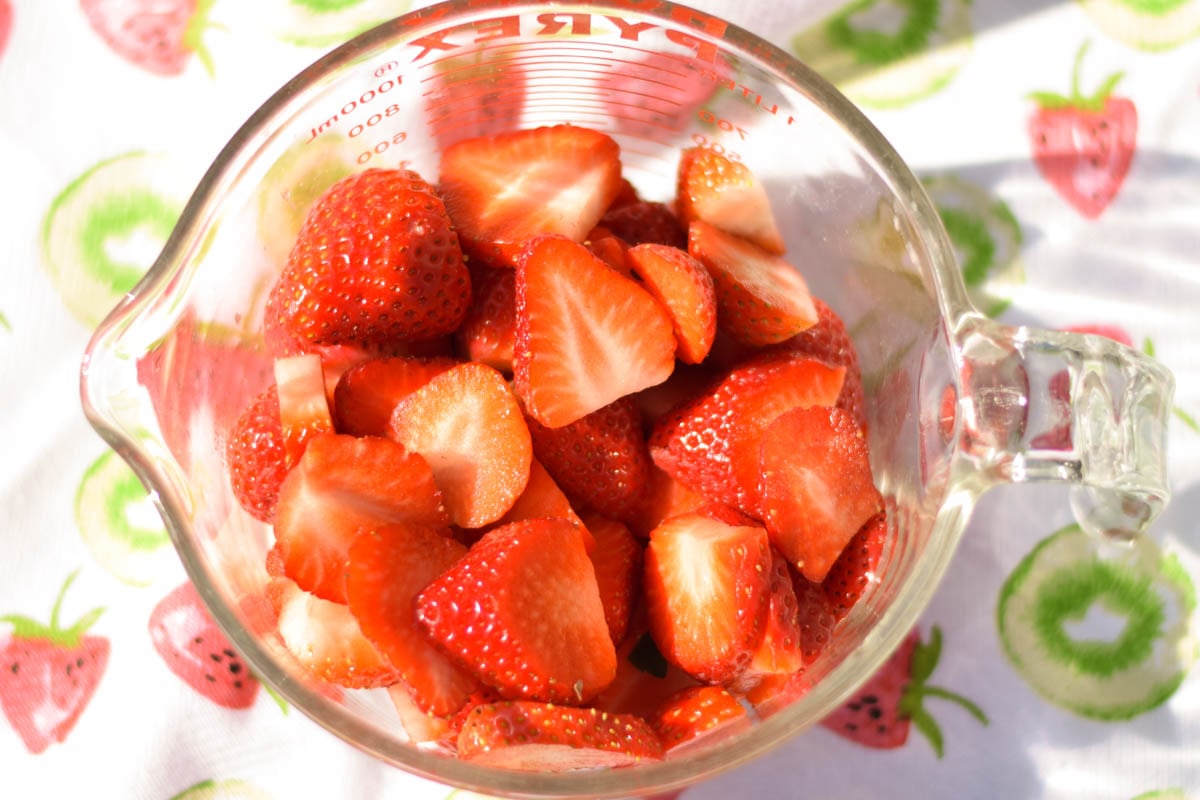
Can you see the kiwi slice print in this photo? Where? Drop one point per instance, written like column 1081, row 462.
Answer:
column 1100, row 628
column 229, row 789
column 1146, row 24
column 120, row 527
column 324, row 23
column 889, row 53
column 986, row 237
column 104, row 230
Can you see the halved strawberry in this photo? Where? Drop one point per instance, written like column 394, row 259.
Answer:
column 341, row 484
column 693, row 712
column 487, row 333
column 522, row 611
column 665, row 497
column 609, row 249
column 816, row 617
column 817, row 487
column 855, row 569
column 707, row 590
column 543, row 498
column 303, row 406
column 617, row 560
column 368, row 392
column 712, row 444
column 326, row 638
column 541, row 737
column 501, row 190
column 466, row 423
column 388, row 566
column 780, row 652
column 645, row 222
column 600, row 460
column 255, row 456
column 685, row 289
column 761, row 298
column 585, row 335
column 828, row 341
column 725, row 193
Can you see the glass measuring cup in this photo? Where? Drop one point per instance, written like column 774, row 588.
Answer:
column 956, row 403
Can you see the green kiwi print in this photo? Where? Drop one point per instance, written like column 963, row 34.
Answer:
column 889, row 53
column 986, row 237
column 104, row 230
column 230, row 789
column 120, row 527
column 1162, row 794
column 1102, row 629
column 1146, row 24
column 324, row 23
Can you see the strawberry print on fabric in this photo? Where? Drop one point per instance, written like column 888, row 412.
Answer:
column 881, row 713
column 48, row 673
column 1084, row 145
column 160, row 37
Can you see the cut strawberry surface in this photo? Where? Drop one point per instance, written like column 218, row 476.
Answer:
column 388, row 566
column 376, row 262
column 303, row 406
column 665, row 497
column 707, row 590
column 487, row 333
column 712, row 444
column 761, row 298
column 255, row 453
column 781, row 651
column 644, row 222
column 829, row 341
column 522, row 611
column 367, row 393
column 327, row 640
column 501, row 190
column 724, row 193
column 692, row 712
column 856, row 569
column 585, row 335
column 600, row 460
column 609, row 249
column 685, row 289
column 341, row 484
column 617, row 560
column 540, row 737
column 817, row 488
column 466, row 423
column 543, row 498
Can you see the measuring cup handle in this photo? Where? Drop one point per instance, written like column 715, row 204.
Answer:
column 1041, row 405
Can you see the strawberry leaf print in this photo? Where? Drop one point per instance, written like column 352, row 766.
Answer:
column 1083, row 145
column 49, row 673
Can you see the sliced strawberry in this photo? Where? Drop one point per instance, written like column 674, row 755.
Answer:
column 644, row 678
column 617, row 560
column 816, row 617
column 341, row 484
column 693, row 712
column 646, row 223
column 817, row 487
column 325, row 637
column 626, row 195
column 388, row 566
column 687, row 382
column 707, row 590
column 422, row 727
column 541, row 634
column 781, row 650
column 585, row 335
column 543, row 498
column 609, row 249
column 724, row 193
column 487, row 333
column 256, row 457
column 501, row 190
column 684, row 287
column 664, row 498
column 600, row 460
column 303, row 406
column 368, row 392
column 540, row 737
column 712, row 444
column 466, row 423
column 777, row 692
column 855, row 569
column 761, row 298
column 828, row 341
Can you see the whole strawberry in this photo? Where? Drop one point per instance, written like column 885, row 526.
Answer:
column 376, row 262
column 48, row 674
column 1084, row 145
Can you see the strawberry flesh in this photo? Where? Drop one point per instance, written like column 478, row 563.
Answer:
column 685, row 289
column 724, row 193
column 367, row 393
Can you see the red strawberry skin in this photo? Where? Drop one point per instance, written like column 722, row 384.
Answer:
column 828, row 341
column 148, row 34
column 522, row 611
column 367, row 393
column 617, row 558
column 488, row 331
column 692, row 712
column 376, row 262
column 645, row 222
column 195, row 649
column 256, row 457
column 856, row 569
column 1085, row 155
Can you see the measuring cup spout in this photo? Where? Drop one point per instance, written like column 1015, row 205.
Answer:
column 1040, row 405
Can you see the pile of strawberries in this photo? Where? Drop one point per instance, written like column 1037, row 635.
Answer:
column 577, row 476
